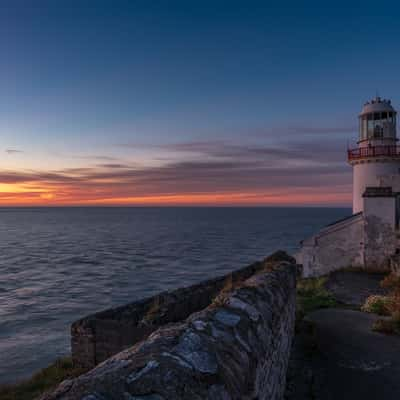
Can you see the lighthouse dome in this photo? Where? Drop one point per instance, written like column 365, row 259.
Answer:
column 377, row 123
column 377, row 105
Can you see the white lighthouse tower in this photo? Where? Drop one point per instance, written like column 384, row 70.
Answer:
column 370, row 237
column 377, row 155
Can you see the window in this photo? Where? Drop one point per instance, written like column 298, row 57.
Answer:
column 378, row 131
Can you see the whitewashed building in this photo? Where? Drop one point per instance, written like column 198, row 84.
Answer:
column 369, row 237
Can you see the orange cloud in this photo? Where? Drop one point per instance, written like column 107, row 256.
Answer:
column 75, row 196
column 222, row 176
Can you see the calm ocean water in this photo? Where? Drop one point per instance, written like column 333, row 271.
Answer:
column 57, row 265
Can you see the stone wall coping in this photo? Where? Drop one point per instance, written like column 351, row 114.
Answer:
column 236, row 348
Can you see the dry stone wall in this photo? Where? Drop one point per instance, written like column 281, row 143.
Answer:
column 99, row 336
column 236, row 347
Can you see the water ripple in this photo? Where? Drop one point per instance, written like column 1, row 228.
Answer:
column 57, row 265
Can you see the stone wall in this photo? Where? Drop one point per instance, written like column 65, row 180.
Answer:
column 336, row 246
column 99, row 336
column 237, row 347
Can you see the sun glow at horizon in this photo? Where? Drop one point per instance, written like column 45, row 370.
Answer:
column 33, row 194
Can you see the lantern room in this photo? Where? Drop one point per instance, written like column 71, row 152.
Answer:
column 377, row 123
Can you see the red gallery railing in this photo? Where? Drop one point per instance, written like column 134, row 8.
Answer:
column 373, row 151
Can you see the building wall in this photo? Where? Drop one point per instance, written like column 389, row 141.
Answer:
column 383, row 208
column 380, row 243
column 368, row 240
column 336, row 246
column 236, row 348
column 370, row 174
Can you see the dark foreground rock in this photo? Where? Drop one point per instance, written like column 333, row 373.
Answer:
column 342, row 358
column 236, row 348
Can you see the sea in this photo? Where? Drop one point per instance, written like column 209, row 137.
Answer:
column 60, row 264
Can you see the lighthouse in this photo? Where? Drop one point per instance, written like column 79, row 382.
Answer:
column 377, row 155
column 370, row 236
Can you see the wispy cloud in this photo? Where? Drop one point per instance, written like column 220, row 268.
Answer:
column 208, row 172
column 94, row 157
column 13, row 151
column 320, row 130
column 114, row 165
column 311, row 151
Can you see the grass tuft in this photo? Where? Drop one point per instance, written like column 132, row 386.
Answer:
column 312, row 295
column 41, row 382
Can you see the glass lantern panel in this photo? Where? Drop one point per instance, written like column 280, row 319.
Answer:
column 364, row 128
column 370, row 126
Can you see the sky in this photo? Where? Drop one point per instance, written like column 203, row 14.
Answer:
column 188, row 102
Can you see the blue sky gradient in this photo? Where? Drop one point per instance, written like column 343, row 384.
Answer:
column 157, row 85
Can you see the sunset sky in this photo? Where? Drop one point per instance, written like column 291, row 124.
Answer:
column 188, row 102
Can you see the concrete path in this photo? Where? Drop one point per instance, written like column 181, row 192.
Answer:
column 353, row 288
column 336, row 355
column 351, row 361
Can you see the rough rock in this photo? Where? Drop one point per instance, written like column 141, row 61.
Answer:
column 235, row 348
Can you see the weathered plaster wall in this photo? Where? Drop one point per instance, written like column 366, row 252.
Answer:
column 236, row 348
column 368, row 240
column 394, row 264
column 380, row 243
column 383, row 208
column 336, row 246
column 369, row 174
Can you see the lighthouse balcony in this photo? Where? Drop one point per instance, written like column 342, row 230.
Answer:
column 373, row 152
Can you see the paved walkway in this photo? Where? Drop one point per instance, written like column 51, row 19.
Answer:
column 336, row 355
column 352, row 361
column 353, row 288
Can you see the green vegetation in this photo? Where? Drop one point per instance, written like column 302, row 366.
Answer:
column 312, row 295
column 392, row 303
column 41, row 382
column 377, row 304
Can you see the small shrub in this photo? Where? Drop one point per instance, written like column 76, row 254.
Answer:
column 377, row 304
column 313, row 295
column 41, row 382
column 311, row 286
column 389, row 306
column 391, row 282
column 388, row 326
